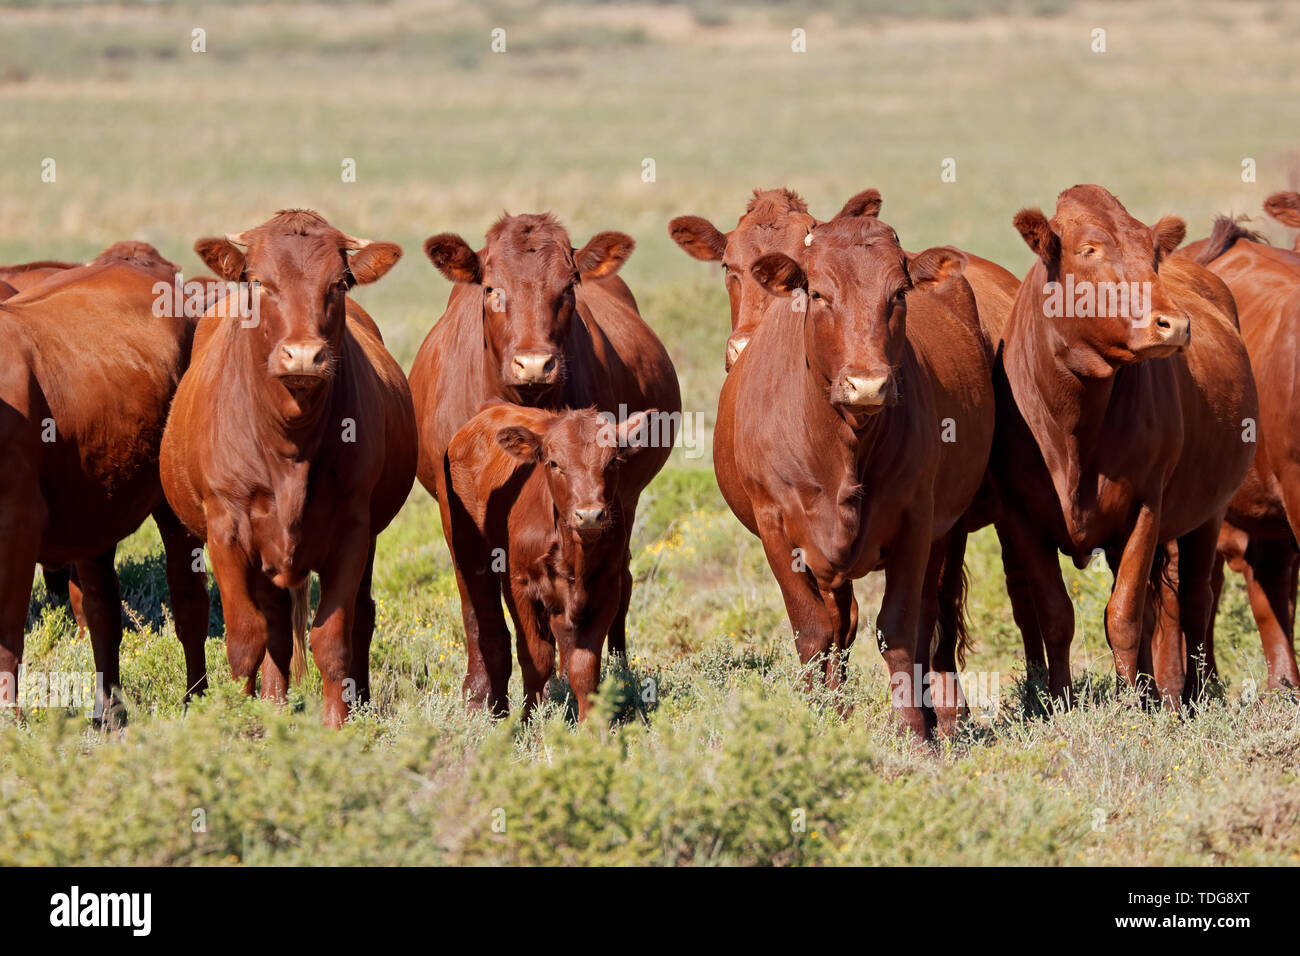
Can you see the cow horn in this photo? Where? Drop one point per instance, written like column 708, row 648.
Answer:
column 350, row 243
column 237, row 238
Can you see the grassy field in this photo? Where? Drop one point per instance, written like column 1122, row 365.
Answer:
column 736, row 764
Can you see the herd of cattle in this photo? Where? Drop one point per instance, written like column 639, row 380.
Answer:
column 880, row 405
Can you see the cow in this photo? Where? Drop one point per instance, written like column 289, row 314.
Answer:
column 1119, row 434
column 533, row 321
column 777, row 220
column 88, row 372
column 1285, row 208
column 830, row 443
column 289, row 448
column 1259, row 537
column 533, row 500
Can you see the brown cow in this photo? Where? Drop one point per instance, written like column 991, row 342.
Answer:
column 290, row 446
column 88, row 373
column 1115, row 435
column 533, row 498
column 830, row 441
column 533, row 321
column 777, row 220
column 1259, row 537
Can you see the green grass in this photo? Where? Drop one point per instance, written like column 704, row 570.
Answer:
column 155, row 142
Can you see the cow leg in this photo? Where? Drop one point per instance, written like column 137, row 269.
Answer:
column 842, row 611
column 1164, row 654
column 1021, row 595
column 188, row 592
column 1197, row 554
column 949, row 705
column 22, row 522
column 618, row 630
column 276, row 605
column 103, row 605
column 535, row 644
column 813, row 637
column 926, row 633
column 1044, row 603
column 584, row 643
column 899, row 622
column 1127, row 606
column 246, row 623
column 331, row 634
column 1270, row 569
column 363, row 629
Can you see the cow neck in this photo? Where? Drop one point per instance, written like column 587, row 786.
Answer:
column 575, row 555
column 296, row 439
column 1064, row 407
column 855, row 445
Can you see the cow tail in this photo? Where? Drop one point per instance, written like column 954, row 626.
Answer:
column 301, row 602
column 954, row 584
column 1223, row 236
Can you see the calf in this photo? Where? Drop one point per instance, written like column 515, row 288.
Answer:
column 853, row 434
column 533, row 500
column 1119, row 433
column 290, row 446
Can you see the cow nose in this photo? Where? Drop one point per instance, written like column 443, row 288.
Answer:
column 535, row 367
column 588, row 519
column 1173, row 328
column 863, row 389
column 303, row 358
column 735, row 345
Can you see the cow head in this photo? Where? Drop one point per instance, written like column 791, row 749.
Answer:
column 528, row 273
column 776, row 220
column 300, row 268
column 1105, row 261
column 582, row 454
column 853, row 283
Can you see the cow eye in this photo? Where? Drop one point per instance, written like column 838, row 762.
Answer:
column 555, row 465
column 1088, row 252
column 815, row 295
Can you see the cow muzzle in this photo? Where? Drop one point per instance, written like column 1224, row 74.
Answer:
column 299, row 364
column 1173, row 329
column 589, row 520
column 535, row 367
column 735, row 345
column 865, row 391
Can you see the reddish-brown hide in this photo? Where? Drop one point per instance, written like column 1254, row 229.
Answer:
column 533, row 504
column 535, row 322
column 85, row 384
column 829, row 443
column 1115, row 435
column 1259, row 537
column 290, row 446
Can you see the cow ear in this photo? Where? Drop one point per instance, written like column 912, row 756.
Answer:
column 1285, row 208
column 452, row 256
column 866, row 203
column 634, row 433
column 778, row 274
column 520, row 443
column 373, row 261
column 698, row 237
column 223, row 257
column 1169, row 233
column 604, row 255
column 934, row 268
column 1038, row 235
